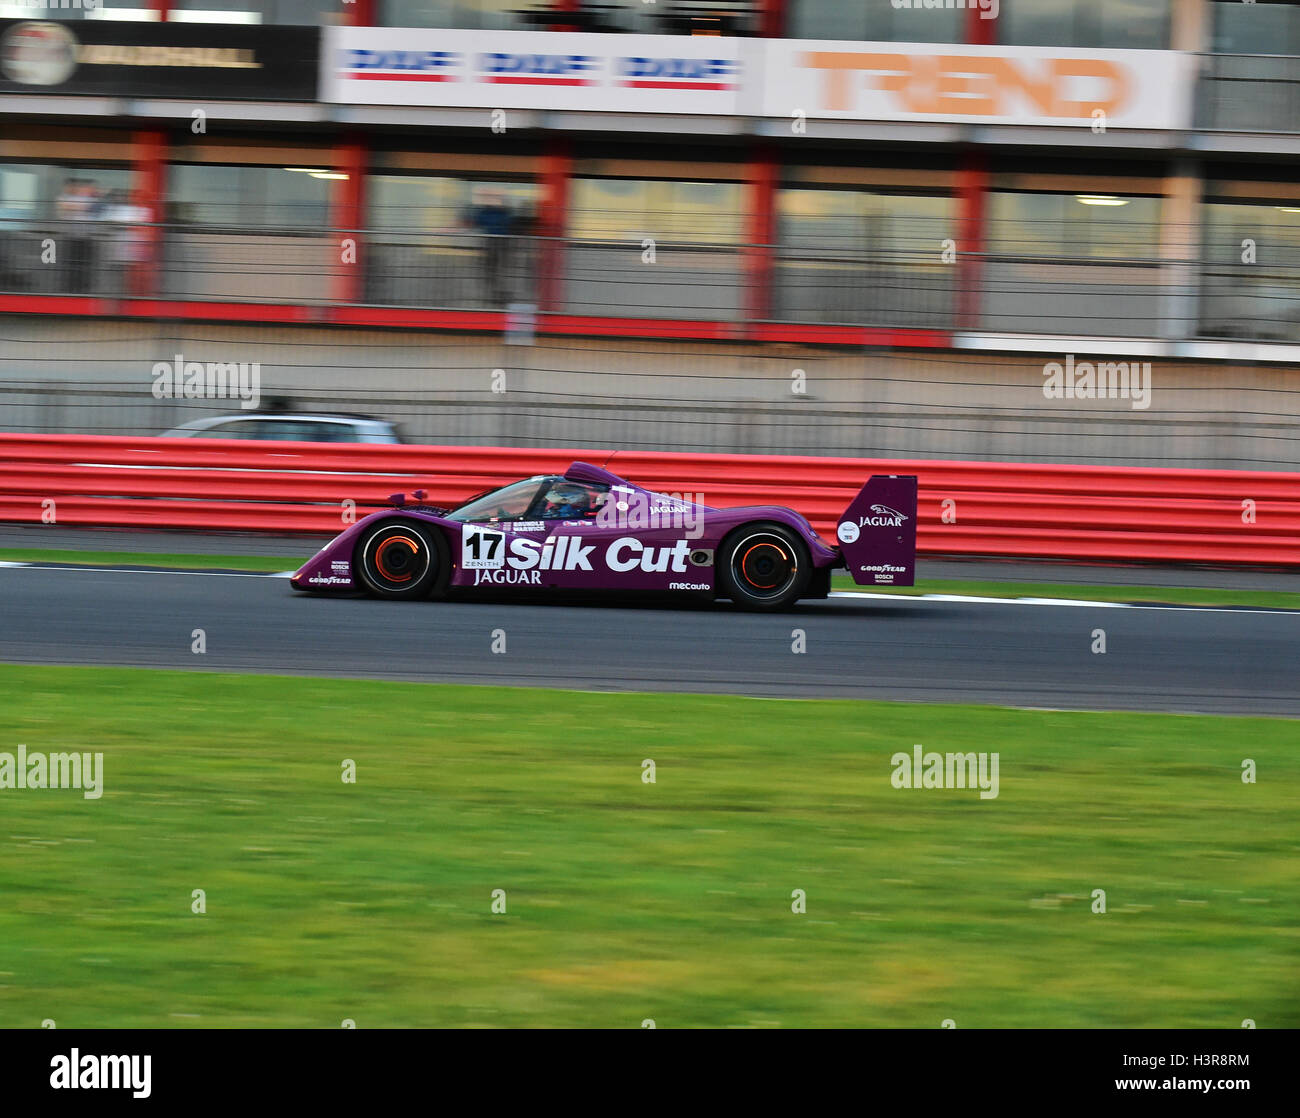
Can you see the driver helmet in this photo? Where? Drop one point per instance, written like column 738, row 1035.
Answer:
column 573, row 499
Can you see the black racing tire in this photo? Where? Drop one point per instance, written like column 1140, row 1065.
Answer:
column 403, row 560
column 763, row 566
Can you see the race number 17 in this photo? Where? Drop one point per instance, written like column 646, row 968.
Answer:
column 482, row 548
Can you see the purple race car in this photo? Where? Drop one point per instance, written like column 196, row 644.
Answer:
column 589, row 529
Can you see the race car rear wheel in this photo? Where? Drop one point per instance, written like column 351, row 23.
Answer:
column 763, row 566
column 400, row 559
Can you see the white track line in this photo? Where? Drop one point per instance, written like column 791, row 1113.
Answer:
column 975, row 599
column 966, row 599
column 154, row 571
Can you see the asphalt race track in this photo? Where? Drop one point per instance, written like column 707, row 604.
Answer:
column 1028, row 655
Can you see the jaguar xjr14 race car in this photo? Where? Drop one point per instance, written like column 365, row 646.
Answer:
column 588, row 529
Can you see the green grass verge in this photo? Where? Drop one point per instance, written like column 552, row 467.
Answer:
column 1176, row 595
column 627, row 900
column 151, row 559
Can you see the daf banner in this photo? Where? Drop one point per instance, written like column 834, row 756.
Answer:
column 775, row 78
column 531, row 70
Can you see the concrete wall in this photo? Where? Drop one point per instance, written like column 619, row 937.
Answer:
column 95, row 376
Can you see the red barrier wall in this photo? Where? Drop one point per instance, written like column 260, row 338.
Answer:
column 997, row 508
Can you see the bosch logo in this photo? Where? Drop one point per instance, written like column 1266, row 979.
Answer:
column 400, row 65
column 538, row 69
column 677, row 73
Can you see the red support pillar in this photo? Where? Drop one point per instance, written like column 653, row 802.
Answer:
column 560, row 7
column 980, row 32
column 771, row 23
column 361, row 13
column 149, row 162
column 553, row 223
column 761, row 180
column 972, row 194
column 348, row 218
column 972, row 197
column 162, row 7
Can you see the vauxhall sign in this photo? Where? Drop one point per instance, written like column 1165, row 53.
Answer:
column 112, row 58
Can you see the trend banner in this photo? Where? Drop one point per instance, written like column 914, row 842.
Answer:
column 1099, row 89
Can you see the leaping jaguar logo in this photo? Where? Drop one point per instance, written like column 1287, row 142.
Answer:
column 885, row 510
column 882, row 516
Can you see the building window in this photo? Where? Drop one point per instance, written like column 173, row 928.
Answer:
column 863, row 221
column 474, row 15
column 1071, row 264
column 1096, row 226
column 876, row 22
column 1251, row 82
column 860, row 257
column 668, row 212
column 665, row 17
column 246, row 198
column 285, row 13
column 44, row 191
column 436, row 241
column 654, row 248
column 68, row 230
column 662, row 17
column 1256, row 28
column 1084, row 23
column 433, row 204
column 1250, row 282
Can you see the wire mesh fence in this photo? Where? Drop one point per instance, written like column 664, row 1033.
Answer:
column 96, row 376
column 1065, row 283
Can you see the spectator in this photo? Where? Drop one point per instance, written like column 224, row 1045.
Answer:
column 78, row 201
column 126, row 241
column 493, row 220
column 69, row 200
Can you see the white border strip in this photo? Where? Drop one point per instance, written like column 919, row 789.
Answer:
column 976, row 599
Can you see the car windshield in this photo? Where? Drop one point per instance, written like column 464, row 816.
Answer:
column 510, row 502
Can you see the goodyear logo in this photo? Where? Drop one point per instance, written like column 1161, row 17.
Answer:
column 400, row 65
column 677, row 73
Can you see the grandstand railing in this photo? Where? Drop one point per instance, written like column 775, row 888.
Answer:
column 1248, row 93
column 579, row 283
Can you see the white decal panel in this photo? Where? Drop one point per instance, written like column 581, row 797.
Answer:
column 482, row 549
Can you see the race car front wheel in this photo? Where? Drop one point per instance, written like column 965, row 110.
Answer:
column 400, row 559
column 764, row 566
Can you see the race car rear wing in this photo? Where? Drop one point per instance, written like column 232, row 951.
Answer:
column 877, row 532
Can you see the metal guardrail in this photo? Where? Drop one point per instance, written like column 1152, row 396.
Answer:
column 998, row 509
